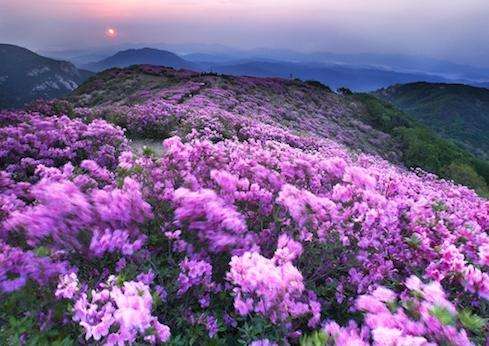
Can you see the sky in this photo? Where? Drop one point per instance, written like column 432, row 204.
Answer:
column 456, row 30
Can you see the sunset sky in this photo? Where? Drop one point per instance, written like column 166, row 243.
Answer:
column 452, row 29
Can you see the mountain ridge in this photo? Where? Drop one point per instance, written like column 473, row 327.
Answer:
column 145, row 55
column 359, row 72
column 26, row 76
column 455, row 111
column 143, row 83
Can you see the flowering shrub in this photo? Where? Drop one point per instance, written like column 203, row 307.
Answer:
column 127, row 307
column 28, row 140
column 419, row 316
column 64, row 217
column 272, row 290
column 240, row 231
column 224, row 106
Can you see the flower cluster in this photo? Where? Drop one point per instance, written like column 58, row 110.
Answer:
column 420, row 316
column 126, row 309
column 63, row 212
column 197, row 274
column 17, row 267
column 238, row 228
column 276, row 291
column 218, row 225
column 28, row 140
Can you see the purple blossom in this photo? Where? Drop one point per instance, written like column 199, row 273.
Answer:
column 238, row 217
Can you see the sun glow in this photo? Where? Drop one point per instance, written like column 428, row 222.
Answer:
column 111, row 32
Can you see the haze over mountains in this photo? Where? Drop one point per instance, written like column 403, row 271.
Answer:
column 335, row 75
column 148, row 56
column 362, row 72
column 374, row 70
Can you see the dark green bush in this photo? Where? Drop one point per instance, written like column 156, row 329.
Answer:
column 344, row 91
column 466, row 175
column 319, row 85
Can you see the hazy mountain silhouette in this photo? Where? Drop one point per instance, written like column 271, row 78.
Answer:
column 149, row 56
column 26, row 76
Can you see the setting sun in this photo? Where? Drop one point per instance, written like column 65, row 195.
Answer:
column 111, row 32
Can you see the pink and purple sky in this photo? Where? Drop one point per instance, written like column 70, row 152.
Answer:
column 451, row 29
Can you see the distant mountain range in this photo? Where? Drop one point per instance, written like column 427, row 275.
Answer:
column 359, row 72
column 356, row 77
column 392, row 62
column 83, row 56
column 26, row 76
column 335, row 76
column 455, row 111
column 148, row 56
column 212, row 53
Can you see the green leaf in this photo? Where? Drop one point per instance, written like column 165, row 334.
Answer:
column 42, row 251
column 316, row 338
column 413, row 241
column 443, row 315
column 148, row 152
column 472, row 322
column 439, row 206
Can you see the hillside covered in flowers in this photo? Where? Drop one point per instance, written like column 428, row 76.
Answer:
column 263, row 212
